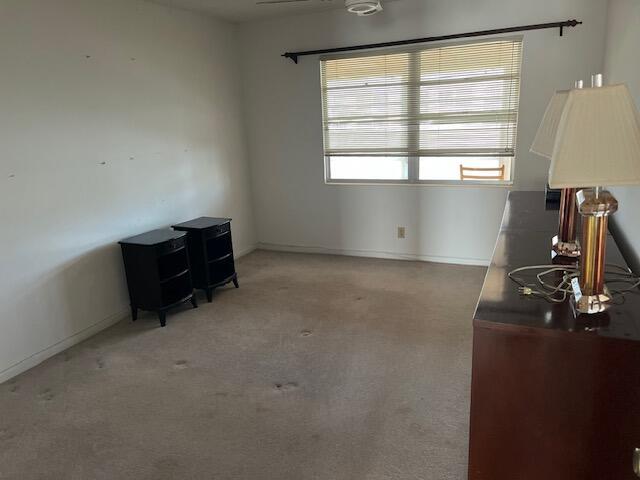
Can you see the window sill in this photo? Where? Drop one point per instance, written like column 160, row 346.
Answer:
column 425, row 183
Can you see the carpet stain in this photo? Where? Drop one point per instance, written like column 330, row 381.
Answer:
column 418, row 430
column 6, row 434
column 287, row 387
column 166, row 463
column 100, row 364
column 46, row 395
column 404, row 410
column 306, row 333
column 181, row 364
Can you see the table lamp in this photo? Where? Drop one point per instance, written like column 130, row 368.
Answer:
column 565, row 244
column 597, row 143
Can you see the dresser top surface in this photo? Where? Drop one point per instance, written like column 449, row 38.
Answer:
column 202, row 223
column 154, row 237
column 525, row 239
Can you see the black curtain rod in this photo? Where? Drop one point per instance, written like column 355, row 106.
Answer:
column 540, row 26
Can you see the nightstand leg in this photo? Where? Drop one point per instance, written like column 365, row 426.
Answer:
column 209, row 295
column 194, row 301
column 235, row 281
column 134, row 313
column 163, row 318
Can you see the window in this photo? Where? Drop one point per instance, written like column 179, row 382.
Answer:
column 423, row 116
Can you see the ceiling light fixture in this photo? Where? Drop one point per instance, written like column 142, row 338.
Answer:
column 363, row 8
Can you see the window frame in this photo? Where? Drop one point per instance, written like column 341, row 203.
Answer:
column 413, row 166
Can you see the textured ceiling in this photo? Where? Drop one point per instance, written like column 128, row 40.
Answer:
column 245, row 10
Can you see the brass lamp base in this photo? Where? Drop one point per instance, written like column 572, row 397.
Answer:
column 591, row 304
column 565, row 244
column 565, row 249
column 591, row 295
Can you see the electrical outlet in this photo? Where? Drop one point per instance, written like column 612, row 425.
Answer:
column 401, row 232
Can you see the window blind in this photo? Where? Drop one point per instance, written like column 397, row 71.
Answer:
column 446, row 101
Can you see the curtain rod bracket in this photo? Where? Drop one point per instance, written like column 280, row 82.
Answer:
column 291, row 56
column 294, row 56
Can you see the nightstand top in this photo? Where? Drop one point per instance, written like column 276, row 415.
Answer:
column 202, row 223
column 154, row 237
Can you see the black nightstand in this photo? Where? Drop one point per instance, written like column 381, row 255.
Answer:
column 210, row 253
column 158, row 274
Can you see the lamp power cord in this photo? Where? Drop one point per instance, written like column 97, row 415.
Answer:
column 557, row 290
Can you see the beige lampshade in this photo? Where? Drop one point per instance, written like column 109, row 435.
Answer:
column 546, row 135
column 598, row 140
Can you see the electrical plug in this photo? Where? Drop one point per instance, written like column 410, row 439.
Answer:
column 525, row 291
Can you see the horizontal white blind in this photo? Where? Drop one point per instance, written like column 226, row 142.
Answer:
column 456, row 100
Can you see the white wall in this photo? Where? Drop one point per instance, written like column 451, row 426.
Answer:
column 118, row 117
column 622, row 66
column 293, row 206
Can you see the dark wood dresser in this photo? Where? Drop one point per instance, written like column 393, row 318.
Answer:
column 158, row 274
column 210, row 252
column 553, row 397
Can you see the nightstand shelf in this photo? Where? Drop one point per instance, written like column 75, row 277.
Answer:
column 210, row 253
column 173, row 264
column 173, row 277
column 158, row 272
column 220, row 259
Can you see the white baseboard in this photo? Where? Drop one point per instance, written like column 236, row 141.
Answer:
column 245, row 251
column 482, row 262
column 38, row 358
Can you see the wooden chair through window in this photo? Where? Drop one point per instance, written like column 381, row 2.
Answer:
column 476, row 173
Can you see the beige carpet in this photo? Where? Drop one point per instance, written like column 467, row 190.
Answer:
column 318, row 367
